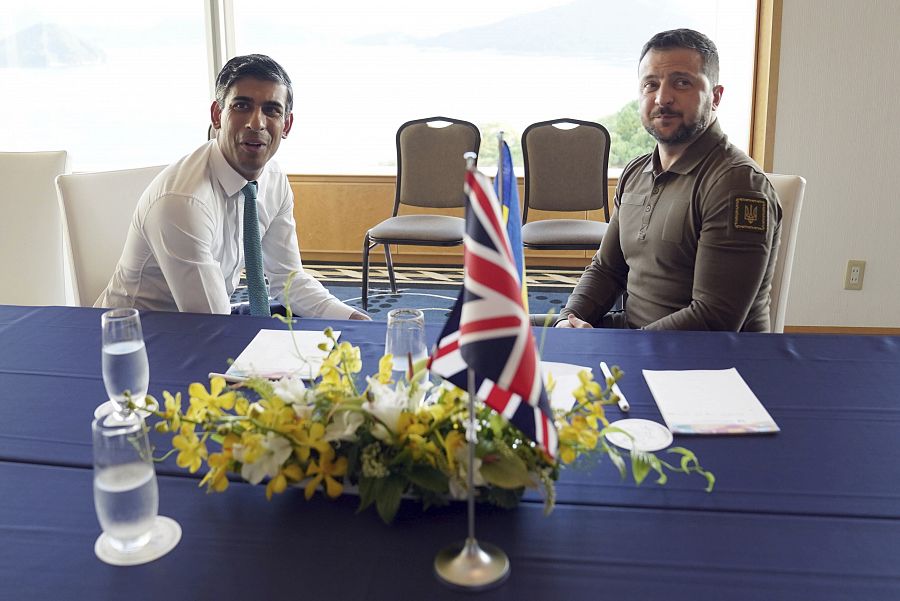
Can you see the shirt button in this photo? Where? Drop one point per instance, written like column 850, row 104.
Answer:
column 656, row 189
column 647, row 208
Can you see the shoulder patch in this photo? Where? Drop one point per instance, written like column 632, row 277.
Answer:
column 751, row 214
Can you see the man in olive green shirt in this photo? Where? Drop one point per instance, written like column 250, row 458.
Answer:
column 696, row 226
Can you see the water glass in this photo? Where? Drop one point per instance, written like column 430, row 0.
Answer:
column 405, row 337
column 126, row 372
column 125, row 491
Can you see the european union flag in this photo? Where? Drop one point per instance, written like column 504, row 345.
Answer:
column 507, row 189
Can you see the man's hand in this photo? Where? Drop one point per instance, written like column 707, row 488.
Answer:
column 573, row 322
column 359, row 315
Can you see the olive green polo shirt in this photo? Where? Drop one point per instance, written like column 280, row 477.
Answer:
column 694, row 246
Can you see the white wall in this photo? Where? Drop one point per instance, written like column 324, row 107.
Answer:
column 838, row 125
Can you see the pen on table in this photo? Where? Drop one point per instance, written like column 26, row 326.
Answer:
column 623, row 403
column 227, row 377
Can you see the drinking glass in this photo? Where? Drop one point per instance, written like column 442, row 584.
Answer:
column 405, row 337
column 126, row 373
column 126, row 496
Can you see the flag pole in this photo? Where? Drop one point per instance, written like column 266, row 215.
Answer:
column 500, row 187
column 468, row 565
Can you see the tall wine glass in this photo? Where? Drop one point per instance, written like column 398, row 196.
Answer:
column 405, row 338
column 126, row 494
column 126, row 372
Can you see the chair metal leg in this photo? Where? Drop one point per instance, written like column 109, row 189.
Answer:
column 365, row 275
column 390, row 267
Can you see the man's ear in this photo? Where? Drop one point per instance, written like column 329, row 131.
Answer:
column 215, row 115
column 288, row 123
column 717, row 96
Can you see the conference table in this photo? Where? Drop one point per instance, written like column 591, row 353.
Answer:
column 812, row 512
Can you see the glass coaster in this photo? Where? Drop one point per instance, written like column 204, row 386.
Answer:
column 166, row 534
column 647, row 435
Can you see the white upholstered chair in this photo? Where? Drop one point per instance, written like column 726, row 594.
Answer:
column 790, row 190
column 31, row 242
column 96, row 211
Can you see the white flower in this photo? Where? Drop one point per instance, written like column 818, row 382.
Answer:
column 343, row 426
column 293, row 391
column 276, row 452
column 386, row 405
column 459, row 484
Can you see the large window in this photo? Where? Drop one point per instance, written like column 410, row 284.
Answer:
column 362, row 68
column 127, row 84
column 117, row 84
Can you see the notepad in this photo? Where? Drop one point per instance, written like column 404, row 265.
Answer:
column 708, row 402
column 275, row 354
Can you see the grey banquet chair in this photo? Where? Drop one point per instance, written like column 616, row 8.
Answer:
column 430, row 174
column 97, row 209
column 566, row 162
column 31, row 240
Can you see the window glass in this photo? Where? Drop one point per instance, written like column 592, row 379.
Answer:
column 360, row 69
column 116, row 84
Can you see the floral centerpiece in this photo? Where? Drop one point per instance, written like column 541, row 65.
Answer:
column 390, row 439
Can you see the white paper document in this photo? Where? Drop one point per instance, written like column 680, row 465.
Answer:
column 565, row 376
column 274, row 354
column 708, row 402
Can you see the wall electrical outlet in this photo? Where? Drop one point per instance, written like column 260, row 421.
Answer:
column 856, row 270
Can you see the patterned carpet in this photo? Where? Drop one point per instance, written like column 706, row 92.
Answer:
column 431, row 288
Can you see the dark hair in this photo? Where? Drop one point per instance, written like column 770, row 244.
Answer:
column 692, row 40
column 258, row 66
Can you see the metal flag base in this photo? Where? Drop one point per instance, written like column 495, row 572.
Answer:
column 471, row 566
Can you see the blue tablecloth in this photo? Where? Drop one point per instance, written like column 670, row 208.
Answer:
column 811, row 512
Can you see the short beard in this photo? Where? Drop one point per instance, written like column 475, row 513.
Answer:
column 682, row 135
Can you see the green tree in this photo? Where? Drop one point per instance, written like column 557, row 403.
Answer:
column 489, row 153
column 628, row 138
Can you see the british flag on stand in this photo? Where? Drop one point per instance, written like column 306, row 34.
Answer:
column 489, row 330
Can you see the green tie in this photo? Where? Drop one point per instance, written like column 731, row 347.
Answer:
column 256, row 282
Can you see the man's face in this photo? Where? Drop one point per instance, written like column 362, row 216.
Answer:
column 251, row 124
column 677, row 100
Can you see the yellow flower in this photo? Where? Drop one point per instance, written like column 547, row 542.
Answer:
column 278, row 484
column 385, row 368
column 251, row 446
column 172, row 414
column 454, row 441
column 210, row 403
column 191, row 450
column 216, row 479
column 308, row 437
column 588, row 389
column 327, row 469
column 276, row 414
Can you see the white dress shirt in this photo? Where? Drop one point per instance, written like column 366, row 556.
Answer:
column 184, row 250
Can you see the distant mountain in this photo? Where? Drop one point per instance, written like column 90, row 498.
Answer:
column 614, row 30
column 48, row 45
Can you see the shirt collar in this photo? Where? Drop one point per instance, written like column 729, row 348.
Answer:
column 693, row 154
column 230, row 180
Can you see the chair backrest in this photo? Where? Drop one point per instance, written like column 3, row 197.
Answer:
column 790, row 190
column 430, row 165
column 32, row 268
column 97, row 209
column 566, row 162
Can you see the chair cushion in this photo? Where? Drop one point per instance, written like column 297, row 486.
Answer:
column 564, row 232
column 425, row 228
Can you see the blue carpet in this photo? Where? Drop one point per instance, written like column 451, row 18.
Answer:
column 434, row 301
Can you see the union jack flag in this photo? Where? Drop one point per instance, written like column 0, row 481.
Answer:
column 489, row 330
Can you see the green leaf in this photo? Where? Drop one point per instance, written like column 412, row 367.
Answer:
column 506, row 471
column 368, row 488
column 387, row 502
column 640, row 467
column 428, row 478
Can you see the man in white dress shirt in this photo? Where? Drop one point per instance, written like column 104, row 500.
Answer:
column 184, row 250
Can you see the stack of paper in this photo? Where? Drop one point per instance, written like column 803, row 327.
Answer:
column 708, row 402
column 275, row 354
